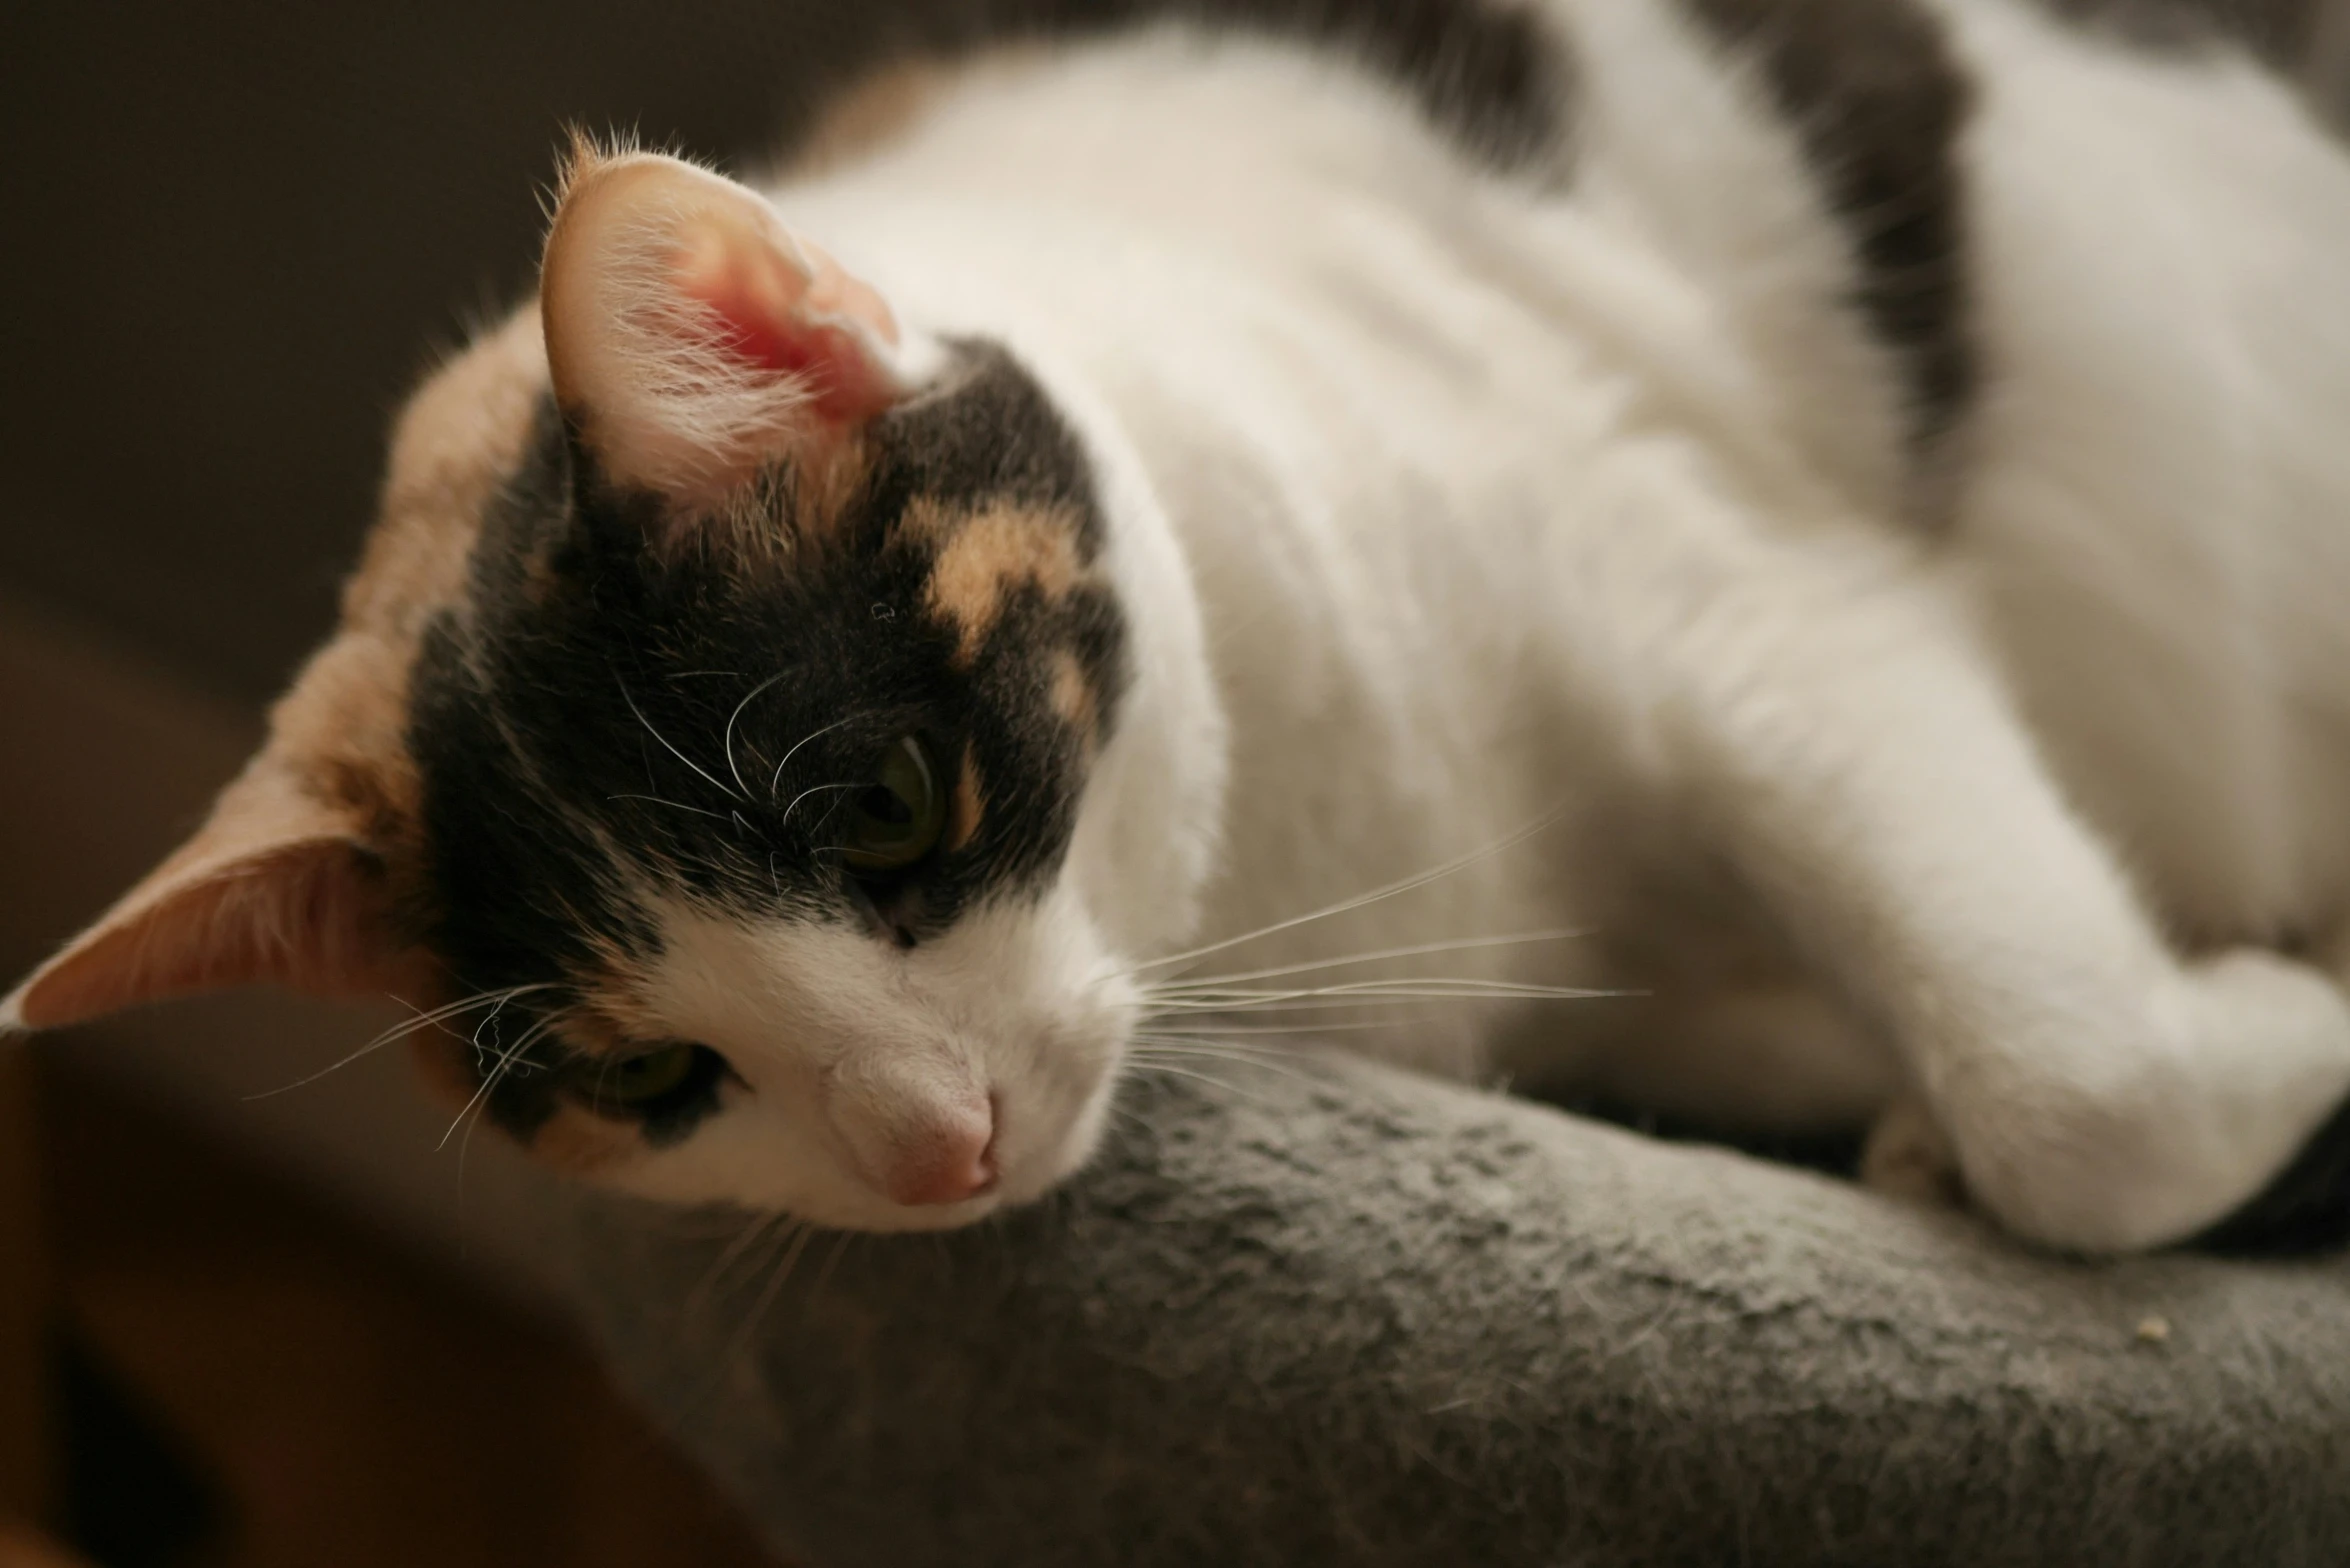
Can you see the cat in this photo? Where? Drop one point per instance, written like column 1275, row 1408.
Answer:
column 1774, row 560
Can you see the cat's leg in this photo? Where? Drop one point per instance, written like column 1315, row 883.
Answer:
column 1768, row 1060
column 1821, row 706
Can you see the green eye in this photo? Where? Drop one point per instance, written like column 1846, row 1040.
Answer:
column 895, row 820
column 642, row 1078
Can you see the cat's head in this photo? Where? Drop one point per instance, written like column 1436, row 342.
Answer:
column 740, row 723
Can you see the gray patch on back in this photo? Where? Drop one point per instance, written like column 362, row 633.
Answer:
column 2277, row 31
column 1491, row 75
column 1879, row 102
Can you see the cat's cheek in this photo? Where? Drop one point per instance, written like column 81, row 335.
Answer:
column 1055, row 1114
column 581, row 1144
column 571, row 1141
column 1071, row 1147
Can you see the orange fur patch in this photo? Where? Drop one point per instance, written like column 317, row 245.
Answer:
column 827, row 479
column 610, row 1026
column 578, row 1141
column 988, row 555
column 614, row 1021
column 870, row 116
column 461, row 435
column 341, row 729
column 1073, row 697
column 574, row 1140
column 823, row 480
column 970, row 804
column 442, row 1063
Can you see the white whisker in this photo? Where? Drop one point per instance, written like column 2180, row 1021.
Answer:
column 840, row 1244
column 1420, row 950
column 1345, row 906
column 664, row 740
column 727, row 744
column 758, row 1226
column 674, row 805
column 1147, row 1065
column 775, row 781
column 470, row 1120
column 1340, row 1001
column 401, row 1030
column 813, row 789
column 1211, row 1009
column 1423, row 988
column 498, row 1070
column 1159, row 1051
column 798, row 1236
column 1196, row 1045
column 1202, row 1021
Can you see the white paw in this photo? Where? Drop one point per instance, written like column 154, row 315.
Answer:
column 2259, row 1004
column 2156, row 1130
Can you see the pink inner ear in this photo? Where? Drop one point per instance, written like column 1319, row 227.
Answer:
column 802, row 314
column 305, row 915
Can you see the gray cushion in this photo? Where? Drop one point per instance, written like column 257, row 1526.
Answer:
column 1343, row 1315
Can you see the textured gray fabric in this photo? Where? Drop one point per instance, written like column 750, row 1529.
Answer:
column 1347, row 1316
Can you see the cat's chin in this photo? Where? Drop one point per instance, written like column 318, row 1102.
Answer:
column 881, row 1217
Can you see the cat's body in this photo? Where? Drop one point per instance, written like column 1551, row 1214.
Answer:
column 1843, row 506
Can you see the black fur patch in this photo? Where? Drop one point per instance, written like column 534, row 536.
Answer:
column 2278, row 31
column 1490, row 74
column 611, row 712
column 2306, row 1209
column 1880, row 102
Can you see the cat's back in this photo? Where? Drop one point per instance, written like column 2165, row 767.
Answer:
column 2154, row 494
column 2059, row 300
column 2062, row 289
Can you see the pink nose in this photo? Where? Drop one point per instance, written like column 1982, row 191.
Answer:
column 948, row 1165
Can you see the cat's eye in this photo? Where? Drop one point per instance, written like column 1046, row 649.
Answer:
column 895, row 820
column 633, row 1081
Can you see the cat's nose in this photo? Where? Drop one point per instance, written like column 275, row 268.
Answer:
column 948, row 1162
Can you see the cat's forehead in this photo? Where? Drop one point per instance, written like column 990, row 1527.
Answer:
column 613, row 702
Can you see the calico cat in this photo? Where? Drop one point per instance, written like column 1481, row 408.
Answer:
column 1819, row 527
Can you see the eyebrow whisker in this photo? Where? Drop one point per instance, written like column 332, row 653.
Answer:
column 775, row 780
column 727, row 744
column 674, row 805
column 664, row 740
column 813, row 789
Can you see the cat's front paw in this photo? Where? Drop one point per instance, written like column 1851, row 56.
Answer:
column 2305, row 1207
column 2164, row 1116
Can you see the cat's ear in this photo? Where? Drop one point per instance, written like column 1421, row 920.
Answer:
column 275, row 887
column 691, row 336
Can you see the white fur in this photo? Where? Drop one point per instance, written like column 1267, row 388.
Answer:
column 849, row 1047
column 1442, row 506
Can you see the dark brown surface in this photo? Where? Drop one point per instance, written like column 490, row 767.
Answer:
column 21, row 1548
column 24, row 1279
column 236, row 231
column 356, row 1407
